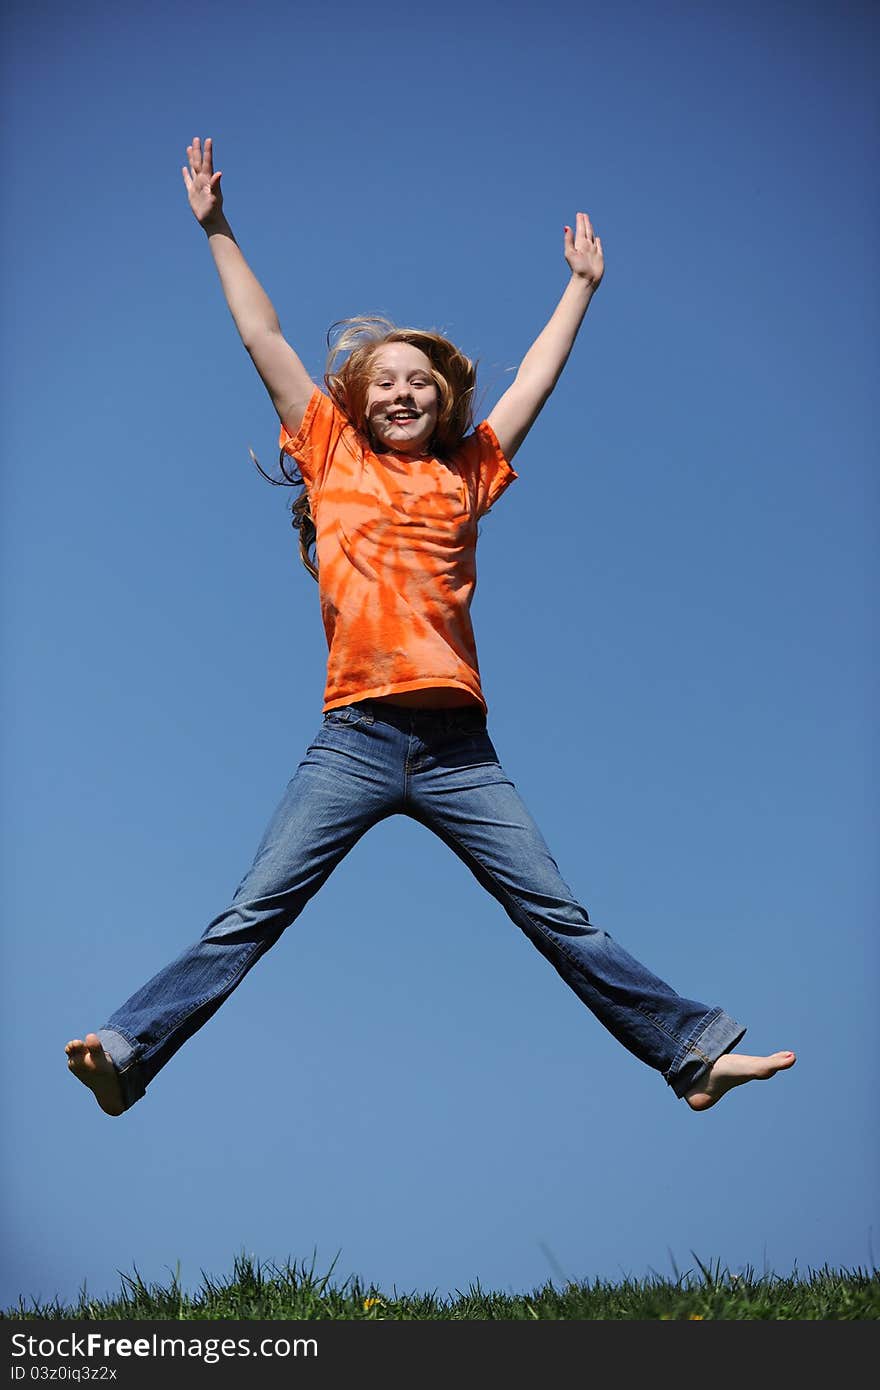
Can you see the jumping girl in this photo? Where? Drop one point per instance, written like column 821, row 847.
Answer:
column 395, row 479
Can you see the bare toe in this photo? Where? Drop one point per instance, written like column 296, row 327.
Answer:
column 90, row 1064
column 734, row 1069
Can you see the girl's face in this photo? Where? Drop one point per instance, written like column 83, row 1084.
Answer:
column 402, row 398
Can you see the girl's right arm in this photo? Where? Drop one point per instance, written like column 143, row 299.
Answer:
column 282, row 373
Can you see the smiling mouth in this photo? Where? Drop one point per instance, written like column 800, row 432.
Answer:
column 403, row 417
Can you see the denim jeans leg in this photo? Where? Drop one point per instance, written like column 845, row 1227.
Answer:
column 461, row 792
column 329, row 803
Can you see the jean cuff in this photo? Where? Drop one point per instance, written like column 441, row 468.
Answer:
column 718, row 1033
column 122, row 1053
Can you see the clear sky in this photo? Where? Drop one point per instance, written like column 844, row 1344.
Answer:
column 673, row 619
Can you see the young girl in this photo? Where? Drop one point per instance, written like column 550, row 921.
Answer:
column 396, row 480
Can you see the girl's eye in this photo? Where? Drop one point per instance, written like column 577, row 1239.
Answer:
column 386, row 385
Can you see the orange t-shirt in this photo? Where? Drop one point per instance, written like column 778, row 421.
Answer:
column 396, row 547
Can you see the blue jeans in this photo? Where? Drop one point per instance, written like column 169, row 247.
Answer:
column 371, row 760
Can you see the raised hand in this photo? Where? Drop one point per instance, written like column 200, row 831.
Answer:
column 583, row 250
column 202, row 184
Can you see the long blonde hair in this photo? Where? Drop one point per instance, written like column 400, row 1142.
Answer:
column 352, row 344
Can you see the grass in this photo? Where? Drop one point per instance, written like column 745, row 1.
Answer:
column 257, row 1292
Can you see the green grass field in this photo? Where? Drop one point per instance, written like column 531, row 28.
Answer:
column 257, row 1291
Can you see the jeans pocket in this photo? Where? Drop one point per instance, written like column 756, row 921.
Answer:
column 347, row 716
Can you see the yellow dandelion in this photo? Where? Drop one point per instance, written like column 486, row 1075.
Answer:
column 372, row 1303
column 696, row 1317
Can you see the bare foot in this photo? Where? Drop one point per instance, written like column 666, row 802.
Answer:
column 732, row 1069
column 90, row 1064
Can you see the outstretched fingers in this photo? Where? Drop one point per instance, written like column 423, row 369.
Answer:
column 201, row 182
column 201, row 158
column 583, row 250
column 586, row 231
column 583, row 235
column 585, row 227
column 194, row 163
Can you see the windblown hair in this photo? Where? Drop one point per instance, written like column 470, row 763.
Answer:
column 353, row 344
column 357, row 340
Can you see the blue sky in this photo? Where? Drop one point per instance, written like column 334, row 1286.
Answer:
column 673, row 619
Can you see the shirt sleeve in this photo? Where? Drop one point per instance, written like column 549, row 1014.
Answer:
column 316, row 440
column 493, row 472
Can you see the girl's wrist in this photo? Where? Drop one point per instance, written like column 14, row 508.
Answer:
column 584, row 283
column 217, row 223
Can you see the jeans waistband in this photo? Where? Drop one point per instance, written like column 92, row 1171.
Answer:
column 461, row 718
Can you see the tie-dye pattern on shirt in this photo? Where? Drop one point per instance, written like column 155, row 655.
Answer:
column 396, row 547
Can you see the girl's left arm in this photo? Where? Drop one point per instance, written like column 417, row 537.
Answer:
column 540, row 369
